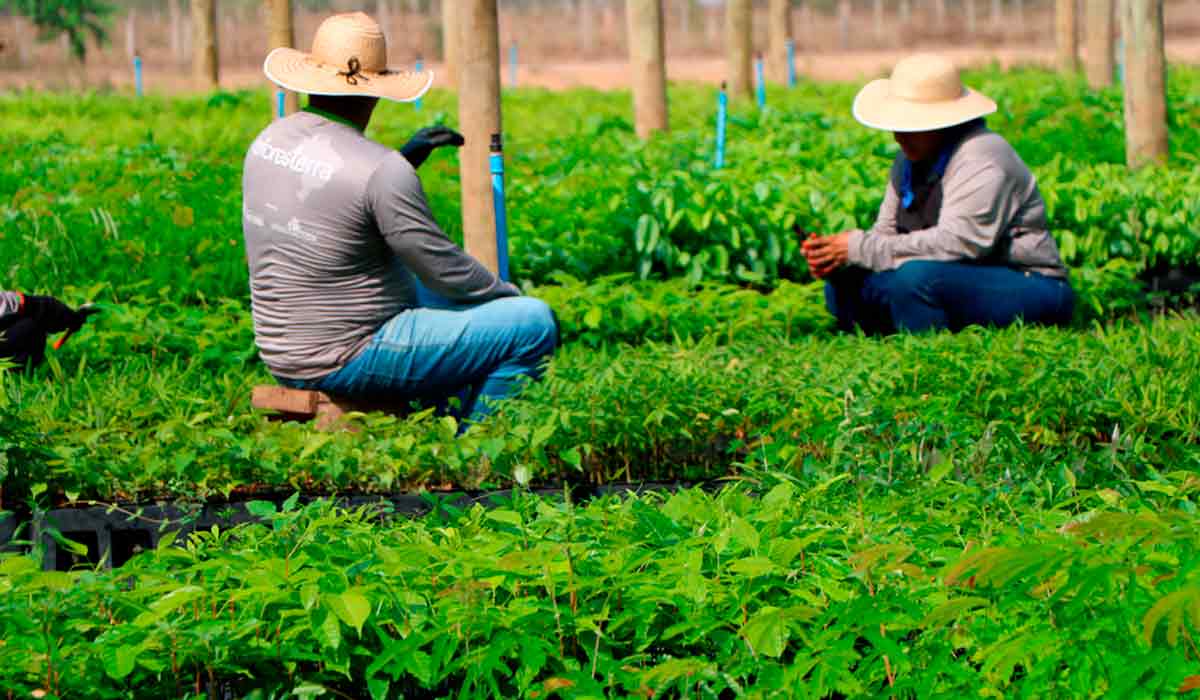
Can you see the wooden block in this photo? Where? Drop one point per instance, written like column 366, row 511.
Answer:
column 285, row 400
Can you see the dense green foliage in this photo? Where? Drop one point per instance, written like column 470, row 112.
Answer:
column 995, row 513
column 153, row 198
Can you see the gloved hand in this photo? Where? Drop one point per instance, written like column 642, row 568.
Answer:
column 424, row 141
column 53, row 316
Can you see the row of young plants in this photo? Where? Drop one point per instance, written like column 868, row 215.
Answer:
column 178, row 425
column 830, row 584
column 155, row 201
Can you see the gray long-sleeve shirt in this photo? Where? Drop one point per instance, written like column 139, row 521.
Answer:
column 985, row 208
column 10, row 303
column 336, row 227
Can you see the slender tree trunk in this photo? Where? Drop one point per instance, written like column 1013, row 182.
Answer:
column 1145, row 82
column 451, row 38
column 779, row 31
column 1099, row 25
column 1019, row 5
column 479, row 118
column 205, row 65
column 383, row 16
column 587, row 27
column 905, row 11
column 972, row 20
column 1067, row 36
column 739, row 47
column 283, row 34
column 939, row 7
column 644, row 19
column 131, row 47
column 997, row 13
column 176, row 35
column 878, row 20
column 845, row 12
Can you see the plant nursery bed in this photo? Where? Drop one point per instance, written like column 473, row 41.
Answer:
column 88, row 533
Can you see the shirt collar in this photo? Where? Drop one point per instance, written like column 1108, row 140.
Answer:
column 332, row 117
column 907, row 192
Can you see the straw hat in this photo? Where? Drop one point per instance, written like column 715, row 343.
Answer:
column 348, row 58
column 925, row 93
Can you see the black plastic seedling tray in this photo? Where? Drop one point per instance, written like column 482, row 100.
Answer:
column 112, row 535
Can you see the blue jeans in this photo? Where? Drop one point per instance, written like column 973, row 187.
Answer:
column 430, row 354
column 926, row 295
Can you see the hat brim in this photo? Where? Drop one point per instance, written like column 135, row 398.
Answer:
column 300, row 72
column 876, row 107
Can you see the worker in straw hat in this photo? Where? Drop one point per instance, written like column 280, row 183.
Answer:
column 961, row 237
column 345, row 255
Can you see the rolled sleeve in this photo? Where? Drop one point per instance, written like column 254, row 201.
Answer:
column 401, row 212
column 10, row 304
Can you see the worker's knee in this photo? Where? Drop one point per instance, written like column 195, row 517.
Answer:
column 538, row 326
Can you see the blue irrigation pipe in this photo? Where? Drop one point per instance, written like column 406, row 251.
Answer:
column 722, row 109
column 512, row 64
column 419, row 66
column 762, row 83
column 791, row 59
column 137, row 74
column 496, row 165
column 280, row 104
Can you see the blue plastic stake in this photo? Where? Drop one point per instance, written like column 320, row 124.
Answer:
column 420, row 65
column 512, row 64
column 722, row 108
column 280, row 104
column 496, row 163
column 791, row 59
column 762, row 83
column 137, row 74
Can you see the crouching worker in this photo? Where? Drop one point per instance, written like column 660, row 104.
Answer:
column 344, row 253
column 26, row 321
column 961, row 237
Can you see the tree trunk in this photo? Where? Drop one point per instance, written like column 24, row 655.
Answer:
column 972, row 22
column 905, row 11
column 779, row 31
column 205, row 65
column 1145, row 82
column 1099, row 25
column 644, row 19
column 997, row 13
column 939, row 7
column 131, row 33
column 451, row 38
column 845, row 12
column 878, row 20
column 739, row 48
column 176, row 37
column 479, row 118
column 383, row 16
column 283, row 34
column 1067, row 36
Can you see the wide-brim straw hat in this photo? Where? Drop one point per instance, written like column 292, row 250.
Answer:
column 925, row 93
column 348, row 58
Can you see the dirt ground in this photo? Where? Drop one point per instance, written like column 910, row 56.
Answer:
column 607, row 74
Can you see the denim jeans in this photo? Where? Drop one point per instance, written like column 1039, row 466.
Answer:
column 437, row 351
column 927, row 295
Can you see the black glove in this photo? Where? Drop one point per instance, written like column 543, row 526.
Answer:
column 53, row 316
column 424, row 141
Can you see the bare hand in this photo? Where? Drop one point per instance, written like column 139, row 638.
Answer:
column 826, row 254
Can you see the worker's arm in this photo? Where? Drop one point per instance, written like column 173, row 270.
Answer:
column 977, row 210
column 885, row 222
column 401, row 212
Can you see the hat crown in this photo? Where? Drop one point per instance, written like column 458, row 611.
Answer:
column 926, row 79
column 352, row 35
